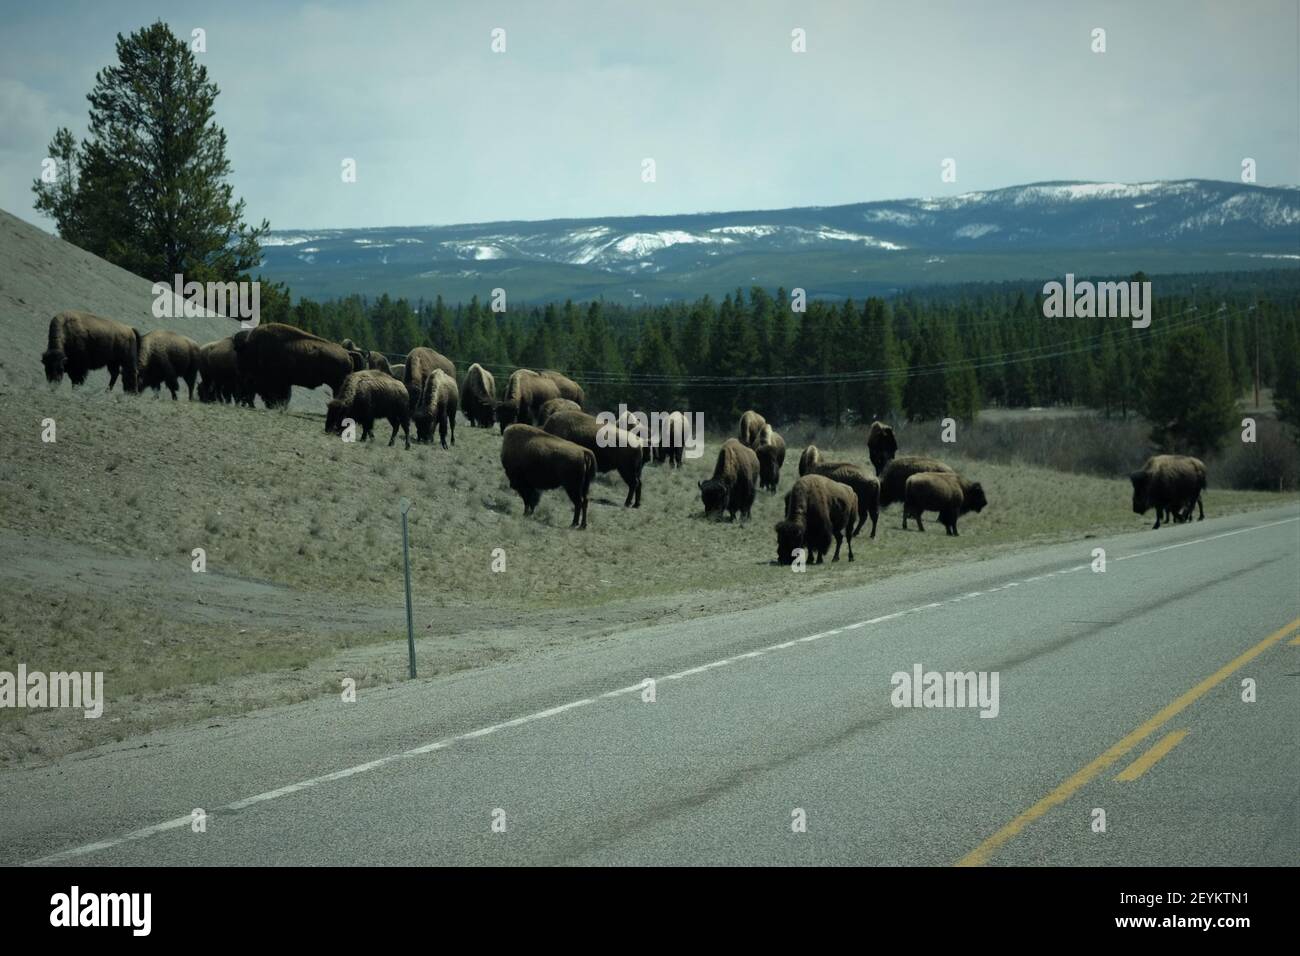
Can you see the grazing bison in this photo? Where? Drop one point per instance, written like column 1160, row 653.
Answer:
column 893, row 480
column 771, row 456
column 568, row 387
column 881, row 446
column 398, row 372
column 274, row 357
column 556, row 405
column 537, row 461
column 865, row 488
column 1171, row 484
column 734, row 483
column 420, row 361
column 674, row 435
column 615, row 449
column 436, row 405
column 166, row 358
column 81, row 342
column 816, row 509
column 526, row 393
column 219, row 372
column 751, row 428
column 945, row 492
column 478, row 396
column 369, row 395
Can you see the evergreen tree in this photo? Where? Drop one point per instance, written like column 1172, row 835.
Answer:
column 1188, row 396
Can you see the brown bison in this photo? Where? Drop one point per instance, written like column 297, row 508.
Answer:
column 674, row 435
column 1172, row 484
column 865, row 488
column 81, row 342
column 734, row 483
column 881, row 446
column 525, row 395
column 893, row 480
column 568, row 387
column 771, row 456
column 478, row 396
column 436, row 405
column 420, row 361
column 369, row 395
column 166, row 358
column 398, row 371
column 751, row 428
column 945, row 492
column 555, row 406
column 537, row 461
column 615, row 449
column 219, row 379
column 816, row 509
column 274, row 357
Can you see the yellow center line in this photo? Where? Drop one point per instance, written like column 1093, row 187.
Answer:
column 981, row 854
column 1295, row 641
column 1148, row 760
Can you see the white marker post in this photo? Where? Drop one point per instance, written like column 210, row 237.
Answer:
column 405, row 505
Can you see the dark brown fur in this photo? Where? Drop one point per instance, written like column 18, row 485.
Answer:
column 734, row 483
column 420, row 361
column 478, row 396
column 751, row 427
column 1172, row 484
column 947, row 493
column 525, row 395
column 674, row 433
column 771, row 456
column 536, row 461
column 557, row 405
column 80, row 342
column 367, row 396
column 436, row 406
column 882, row 446
column 568, row 387
column 893, row 480
column 167, row 358
column 816, row 509
column 615, row 449
column 275, row 357
column 865, row 488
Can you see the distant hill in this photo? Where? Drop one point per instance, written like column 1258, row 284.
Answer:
column 1021, row 232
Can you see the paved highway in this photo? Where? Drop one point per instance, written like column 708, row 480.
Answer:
column 772, row 736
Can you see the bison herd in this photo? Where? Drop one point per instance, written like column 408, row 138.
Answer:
column 548, row 441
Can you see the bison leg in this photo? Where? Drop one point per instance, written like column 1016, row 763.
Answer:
column 442, row 431
column 112, row 377
column 1200, row 507
column 917, row 516
column 875, row 514
column 839, row 539
column 849, row 534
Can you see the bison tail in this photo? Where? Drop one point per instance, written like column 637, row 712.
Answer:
column 588, row 472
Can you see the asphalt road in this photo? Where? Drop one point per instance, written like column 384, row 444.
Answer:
column 1118, row 692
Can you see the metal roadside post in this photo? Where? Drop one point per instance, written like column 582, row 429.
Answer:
column 405, row 505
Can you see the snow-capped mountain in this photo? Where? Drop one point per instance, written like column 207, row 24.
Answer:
column 1200, row 217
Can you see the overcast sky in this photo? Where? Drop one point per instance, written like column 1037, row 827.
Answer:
column 443, row 130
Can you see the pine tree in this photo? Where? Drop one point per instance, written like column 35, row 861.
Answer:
column 1188, row 396
column 147, row 190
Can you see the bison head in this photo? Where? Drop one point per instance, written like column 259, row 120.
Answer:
column 1140, row 503
column 334, row 415
column 55, row 363
column 974, row 498
column 789, row 537
column 507, row 412
column 714, row 495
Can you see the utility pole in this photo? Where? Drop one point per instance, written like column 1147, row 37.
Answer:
column 1252, row 309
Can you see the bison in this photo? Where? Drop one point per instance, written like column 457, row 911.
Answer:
column 275, row 357
column 81, row 342
column 674, row 435
column 816, row 509
column 881, row 446
column 166, row 358
column 865, row 488
column 945, row 492
column 734, row 483
column 1171, row 484
column 526, row 393
column 615, row 449
column 751, row 427
column 398, row 371
column 369, row 395
column 537, row 461
column 420, row 361
column 893, row 480
column 478, row 396
column 219, row 379
column 436, row 405
column 568, row 387
column 556, row 405
column 771, row 456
